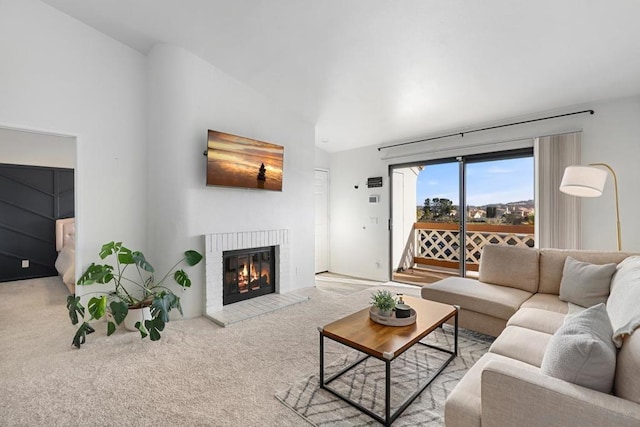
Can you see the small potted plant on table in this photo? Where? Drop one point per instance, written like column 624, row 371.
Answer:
column 384, row 302
column 137, row 295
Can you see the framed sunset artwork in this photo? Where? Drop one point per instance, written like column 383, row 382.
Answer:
column 236, row 161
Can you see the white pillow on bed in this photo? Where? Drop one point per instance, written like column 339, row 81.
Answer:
column 66, row 260
column 65, row 233
column 69, row 276
column 69, row 234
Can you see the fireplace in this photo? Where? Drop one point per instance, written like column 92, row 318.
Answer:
column 248, row 273
column 218, row 244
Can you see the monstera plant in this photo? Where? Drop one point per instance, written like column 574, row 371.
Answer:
column 134, row 288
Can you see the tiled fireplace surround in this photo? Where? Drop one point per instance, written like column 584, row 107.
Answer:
column 216, row 244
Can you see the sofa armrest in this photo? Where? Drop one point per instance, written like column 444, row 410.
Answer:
column 513, row 397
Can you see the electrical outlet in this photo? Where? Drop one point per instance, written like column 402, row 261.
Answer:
column 25, row 263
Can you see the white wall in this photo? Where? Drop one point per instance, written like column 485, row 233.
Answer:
column 322, row 159
column 611, row 136
column 358, row 233
column 37, row 149
column 188, row 96
column 60, row 76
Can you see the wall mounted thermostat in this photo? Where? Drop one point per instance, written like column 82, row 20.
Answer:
column 374, row 198
column 374, row 182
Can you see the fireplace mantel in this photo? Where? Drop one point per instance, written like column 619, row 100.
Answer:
column 216, row 244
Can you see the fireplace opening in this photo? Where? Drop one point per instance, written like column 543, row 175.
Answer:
column 248, row 273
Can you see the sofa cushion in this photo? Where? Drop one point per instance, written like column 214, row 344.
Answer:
column 510, row 266
column 622, row 305
column 480, row 322
column 525, row 345
column 552, row 265
column 627, row 382
column 585, row 284
column 548, row 302
column 463, row 407
column 582, row 352
column 470, row 294
column 537, row 320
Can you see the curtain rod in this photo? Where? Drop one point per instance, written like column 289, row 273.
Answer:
column 461, row 134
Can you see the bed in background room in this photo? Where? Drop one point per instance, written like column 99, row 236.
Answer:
column 66, row 247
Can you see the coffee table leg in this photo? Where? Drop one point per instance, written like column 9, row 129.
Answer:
column 455, row 351
column 387, row 396
column 321, row 358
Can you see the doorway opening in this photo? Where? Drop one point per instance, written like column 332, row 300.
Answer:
column 39, row 180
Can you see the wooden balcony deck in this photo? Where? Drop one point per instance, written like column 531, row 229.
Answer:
column 422, row 276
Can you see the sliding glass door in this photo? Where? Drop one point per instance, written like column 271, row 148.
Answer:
column 461, row 204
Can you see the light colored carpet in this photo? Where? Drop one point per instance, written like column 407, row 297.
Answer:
column 198, row 374
column 366, row 384
column 344, row 285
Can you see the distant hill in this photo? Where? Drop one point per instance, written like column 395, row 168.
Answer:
column 522, row 203
column 529, row 204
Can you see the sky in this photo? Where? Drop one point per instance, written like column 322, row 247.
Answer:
column 499, row 181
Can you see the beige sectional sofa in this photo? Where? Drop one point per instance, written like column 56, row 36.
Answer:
column 516, row 299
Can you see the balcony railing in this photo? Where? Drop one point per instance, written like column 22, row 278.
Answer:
column 437, row 244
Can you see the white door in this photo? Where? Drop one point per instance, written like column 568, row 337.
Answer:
column 321, row 191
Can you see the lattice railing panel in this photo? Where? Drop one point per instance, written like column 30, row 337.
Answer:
column 443, row 245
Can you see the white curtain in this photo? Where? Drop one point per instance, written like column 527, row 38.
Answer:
column 558, row 216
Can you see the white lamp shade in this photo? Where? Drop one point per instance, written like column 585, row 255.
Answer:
column 583, row 181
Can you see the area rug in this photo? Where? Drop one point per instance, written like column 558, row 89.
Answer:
column 366, row 385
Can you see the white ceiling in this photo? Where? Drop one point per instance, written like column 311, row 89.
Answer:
column 368, row 72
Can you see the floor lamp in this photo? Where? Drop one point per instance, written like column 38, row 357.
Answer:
column 588, row 181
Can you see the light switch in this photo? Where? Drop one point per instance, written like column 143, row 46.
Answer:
column 25, row 263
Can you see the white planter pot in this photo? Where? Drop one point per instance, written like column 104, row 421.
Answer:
column 136, row 315
column 385, row 313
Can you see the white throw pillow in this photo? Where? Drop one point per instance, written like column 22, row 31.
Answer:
column 582, row 352
column 623, row 305
column 585, row 284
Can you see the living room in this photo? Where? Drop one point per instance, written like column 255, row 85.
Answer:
column 138, row 123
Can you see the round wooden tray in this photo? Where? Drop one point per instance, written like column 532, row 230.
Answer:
column 392, row 320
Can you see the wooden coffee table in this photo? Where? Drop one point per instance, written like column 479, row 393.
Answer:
column 386, row 343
